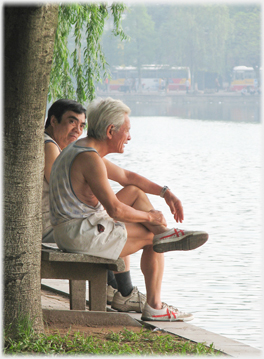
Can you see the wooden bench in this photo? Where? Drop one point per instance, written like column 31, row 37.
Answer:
column 77, row 268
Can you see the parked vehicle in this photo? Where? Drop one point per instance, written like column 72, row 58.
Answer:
column 244, row 77
column 150, row 78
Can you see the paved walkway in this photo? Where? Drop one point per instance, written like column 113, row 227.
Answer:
column 51, row 300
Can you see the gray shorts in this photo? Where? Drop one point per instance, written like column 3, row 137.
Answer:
column 98, row 235
column 48, row 237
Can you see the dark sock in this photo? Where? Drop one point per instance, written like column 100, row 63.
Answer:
column 124, row 283
column 111, row 279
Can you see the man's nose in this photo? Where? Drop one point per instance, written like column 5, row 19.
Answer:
column 79, row 128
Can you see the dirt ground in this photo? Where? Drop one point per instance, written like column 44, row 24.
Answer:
column 63, row 329
column 99, row 332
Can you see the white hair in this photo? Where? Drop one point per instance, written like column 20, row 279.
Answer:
column 104, row 112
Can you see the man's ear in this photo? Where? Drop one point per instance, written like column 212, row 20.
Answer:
column 53, row 120
column 109, row 131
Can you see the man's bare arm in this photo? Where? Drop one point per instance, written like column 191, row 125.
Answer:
column 125, row 178
column 94, row 173
column 51, row 153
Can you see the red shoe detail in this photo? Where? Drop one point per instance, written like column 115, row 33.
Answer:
column 173, row 314
column 160, row 315
column 176, row 232
column 165, row 315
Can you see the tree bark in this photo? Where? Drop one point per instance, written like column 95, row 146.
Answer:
column 29, row 42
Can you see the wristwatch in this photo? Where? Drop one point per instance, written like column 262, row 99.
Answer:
column 164, row 189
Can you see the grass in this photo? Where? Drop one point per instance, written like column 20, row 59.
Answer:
column 125, row 342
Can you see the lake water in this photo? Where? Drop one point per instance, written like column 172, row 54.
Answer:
column 214, row 167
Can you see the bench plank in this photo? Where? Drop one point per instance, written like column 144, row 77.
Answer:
column 59, row 256
column 77, row 268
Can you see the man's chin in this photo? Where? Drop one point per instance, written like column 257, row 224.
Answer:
column 72, row 139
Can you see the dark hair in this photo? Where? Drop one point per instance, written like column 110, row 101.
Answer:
column 59, row 107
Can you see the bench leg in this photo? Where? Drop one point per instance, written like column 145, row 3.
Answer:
column 97, row 290
column 77, row 294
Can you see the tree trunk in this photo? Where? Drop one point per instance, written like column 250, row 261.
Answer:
column 29, row 42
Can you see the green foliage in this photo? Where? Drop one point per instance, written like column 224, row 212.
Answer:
column 124, row 342
column 245, row 40
column 205, row 37
column 203, row 31
column 22, row 327
column 140, row 27
column 141, row 47
column 85, row 65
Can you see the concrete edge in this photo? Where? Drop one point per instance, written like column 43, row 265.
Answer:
column 89, row 319
column 198, row 335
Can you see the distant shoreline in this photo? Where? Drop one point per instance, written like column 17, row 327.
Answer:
column 181, row 96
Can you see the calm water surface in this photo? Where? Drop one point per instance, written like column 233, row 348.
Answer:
column 215, row 169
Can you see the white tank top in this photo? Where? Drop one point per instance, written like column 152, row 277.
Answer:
column 64, row 204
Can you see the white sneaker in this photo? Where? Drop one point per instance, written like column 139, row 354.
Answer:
column 135, row 301
column 178, row 240
column 110, row 291
column 167, row 313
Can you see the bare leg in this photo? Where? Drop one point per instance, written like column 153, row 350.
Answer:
column 140, row 236
column 152, row 266
column 152, row 263
column 127, row 264
column 126, row 259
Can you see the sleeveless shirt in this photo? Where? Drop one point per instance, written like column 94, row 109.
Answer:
column 64, row 204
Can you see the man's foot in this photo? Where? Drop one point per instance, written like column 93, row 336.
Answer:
column 135, row 301
column 110, row 291
column 178, row 240
column 166, row 314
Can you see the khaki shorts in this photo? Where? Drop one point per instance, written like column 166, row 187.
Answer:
column 98, row 235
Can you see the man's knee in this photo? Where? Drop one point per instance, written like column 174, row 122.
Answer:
column 133, row 189
column 136, row 192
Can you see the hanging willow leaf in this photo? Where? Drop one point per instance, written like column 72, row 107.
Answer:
column 74, row 74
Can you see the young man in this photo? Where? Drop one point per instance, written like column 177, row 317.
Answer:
column 64, row 125
column 88, row 217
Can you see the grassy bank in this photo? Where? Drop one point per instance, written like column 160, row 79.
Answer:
column 125, row 342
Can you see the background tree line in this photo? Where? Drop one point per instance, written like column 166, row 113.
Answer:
column 212, row 38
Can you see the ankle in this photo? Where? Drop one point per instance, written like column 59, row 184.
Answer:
column 155, row 305
column 124, row 283
column 161, row 230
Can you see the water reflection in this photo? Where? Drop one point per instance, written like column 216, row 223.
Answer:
column 217, row 109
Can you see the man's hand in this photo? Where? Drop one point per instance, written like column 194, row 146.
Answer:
column 175, row 206
column 157, row 218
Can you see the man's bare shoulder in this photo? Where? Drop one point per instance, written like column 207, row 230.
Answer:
column 51, row 146
column 88, row 161
column 90, row 156
column 51, row 151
